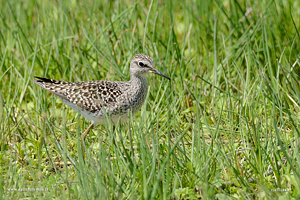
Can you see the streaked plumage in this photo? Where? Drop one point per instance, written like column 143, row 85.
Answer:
column 94, row 99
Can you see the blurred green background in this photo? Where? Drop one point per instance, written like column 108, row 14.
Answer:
column 226, row 125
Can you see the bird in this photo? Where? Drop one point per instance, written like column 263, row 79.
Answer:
column 95, row 100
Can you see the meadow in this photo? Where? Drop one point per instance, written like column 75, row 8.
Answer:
column 225, row 127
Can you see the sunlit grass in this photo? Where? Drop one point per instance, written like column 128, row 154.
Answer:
column 226, row 125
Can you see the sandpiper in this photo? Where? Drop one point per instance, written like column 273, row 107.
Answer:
column 97, row 99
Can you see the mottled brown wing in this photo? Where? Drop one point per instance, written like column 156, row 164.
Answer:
column 91, row 96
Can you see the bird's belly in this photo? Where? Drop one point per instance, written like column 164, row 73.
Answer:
column 98, row 118
column 104, row 118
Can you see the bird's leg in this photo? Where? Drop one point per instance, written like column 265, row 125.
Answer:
column 83, row 137
column 113, row 129
column 86, row 131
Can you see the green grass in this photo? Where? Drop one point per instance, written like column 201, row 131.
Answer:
column 227, row 119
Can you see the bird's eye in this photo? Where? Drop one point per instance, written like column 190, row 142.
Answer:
column 141, row 64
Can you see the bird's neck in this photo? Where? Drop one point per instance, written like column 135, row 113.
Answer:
column 140, row 85
column 139, row 80
column 138, row 91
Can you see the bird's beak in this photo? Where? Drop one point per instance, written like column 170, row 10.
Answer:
column 159, row 73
